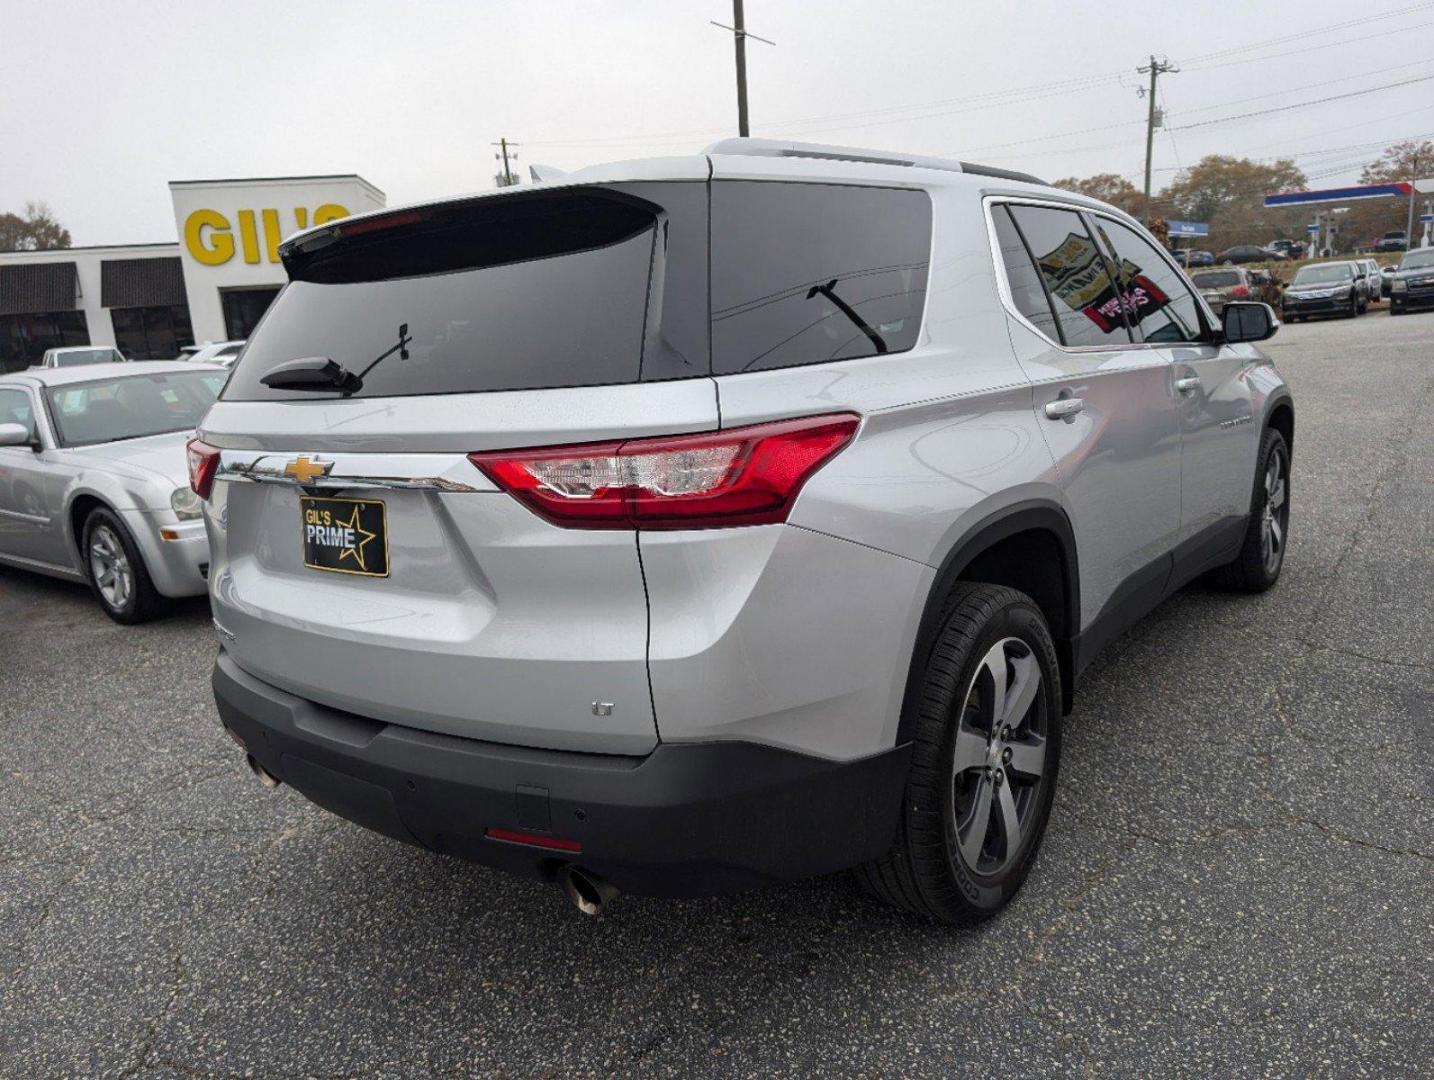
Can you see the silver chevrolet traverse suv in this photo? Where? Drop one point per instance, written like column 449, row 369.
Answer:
column 681, row 525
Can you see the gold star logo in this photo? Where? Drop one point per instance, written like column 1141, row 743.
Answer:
column 304, row 471
column 355, row 551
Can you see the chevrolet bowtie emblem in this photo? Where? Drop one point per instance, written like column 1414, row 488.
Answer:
column 305, row 471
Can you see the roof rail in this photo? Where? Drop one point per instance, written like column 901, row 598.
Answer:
column 783, row 148
column 1001, row 174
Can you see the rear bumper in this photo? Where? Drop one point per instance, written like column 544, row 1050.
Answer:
column 684, row 820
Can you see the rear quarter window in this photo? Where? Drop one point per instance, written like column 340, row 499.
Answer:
column 810, row 273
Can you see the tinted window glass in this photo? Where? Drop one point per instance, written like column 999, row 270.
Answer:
column 1076, row 276
column 1027, row 292
column 500, row 293
column 808, row 273
column 130, row 407
column 1325, row 272
column 87, row 356
column 1157, row 301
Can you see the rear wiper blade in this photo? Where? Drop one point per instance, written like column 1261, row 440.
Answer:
column 312, row 373
column 323, row 373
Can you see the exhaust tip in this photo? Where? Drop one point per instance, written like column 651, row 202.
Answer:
column 590, row 893
column 268, row 779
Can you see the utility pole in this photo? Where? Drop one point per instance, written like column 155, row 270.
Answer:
column 1409, row 226
column 739, row 39
column 1156, row 68
column 506, row 177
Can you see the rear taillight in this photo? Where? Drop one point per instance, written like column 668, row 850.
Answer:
column 741, row 476
column 1240, row 290
column 203, row 463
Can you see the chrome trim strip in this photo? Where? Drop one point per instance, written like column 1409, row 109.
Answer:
column 452, row 473
column 36, row 564
column 31, row 518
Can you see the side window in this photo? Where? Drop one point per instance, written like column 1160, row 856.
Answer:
column 1157, row 301
column 808, row 273
column 1076, row 276
column 1027, row 292
column 15, row 408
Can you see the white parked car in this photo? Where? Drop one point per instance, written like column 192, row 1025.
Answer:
column 223, row 353
column 80, row 355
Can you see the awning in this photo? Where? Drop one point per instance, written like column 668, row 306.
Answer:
column 142, row 283
column 37, row 288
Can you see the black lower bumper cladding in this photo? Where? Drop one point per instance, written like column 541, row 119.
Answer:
column 684, row 820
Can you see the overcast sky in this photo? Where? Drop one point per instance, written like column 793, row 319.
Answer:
column 103, row 102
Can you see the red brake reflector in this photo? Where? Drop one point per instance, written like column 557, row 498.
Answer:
column 552, row 843
column 739, row 476
column 384, row 221
column 203, row 464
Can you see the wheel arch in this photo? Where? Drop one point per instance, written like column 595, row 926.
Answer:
column 1280, row 415
column 1029, row 546
column 81, row 505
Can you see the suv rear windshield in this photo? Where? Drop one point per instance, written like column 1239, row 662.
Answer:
column 513, row 292
column 1216, row 279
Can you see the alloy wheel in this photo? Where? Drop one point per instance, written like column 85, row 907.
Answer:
column 109, row 565
column 999, row 759
column 1275, row 517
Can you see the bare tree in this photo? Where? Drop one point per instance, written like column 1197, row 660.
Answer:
column 38, row 230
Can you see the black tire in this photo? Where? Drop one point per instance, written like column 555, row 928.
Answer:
column 139, row 601
column 927, row 871
column 1353, row 311
column 1254, row 570
column 1395, row 310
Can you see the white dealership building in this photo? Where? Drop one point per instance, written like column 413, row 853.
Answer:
column 212, row 284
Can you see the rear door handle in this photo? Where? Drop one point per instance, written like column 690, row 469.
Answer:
column 1064, row 407
column 1187, row 384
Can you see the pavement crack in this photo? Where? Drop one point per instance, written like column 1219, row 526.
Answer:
column 179, row 974
column 1072, row 905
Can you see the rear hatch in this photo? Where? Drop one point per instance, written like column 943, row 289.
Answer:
column 360, row 559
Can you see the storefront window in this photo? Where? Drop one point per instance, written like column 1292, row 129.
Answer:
column 243, row 308
column 152, row 333
column 24, row 338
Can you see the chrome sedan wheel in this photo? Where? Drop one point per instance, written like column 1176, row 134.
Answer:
column 110, row 567
column 1000, row 758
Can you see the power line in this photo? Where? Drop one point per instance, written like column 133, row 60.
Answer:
column 935, row 109
column 1363, row 19
column 1307, row 49
column 1303, row 104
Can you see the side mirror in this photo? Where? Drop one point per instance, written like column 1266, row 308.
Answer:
column 1244, row 321
column 15, row 435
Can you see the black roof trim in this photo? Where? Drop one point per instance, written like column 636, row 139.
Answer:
column 1001, row 174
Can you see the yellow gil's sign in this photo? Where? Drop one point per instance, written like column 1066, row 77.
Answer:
column 209, row 236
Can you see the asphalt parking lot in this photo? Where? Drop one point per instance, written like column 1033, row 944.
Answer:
column 1238, row 880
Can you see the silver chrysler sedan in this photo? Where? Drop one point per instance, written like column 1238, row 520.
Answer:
column 93, row 481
